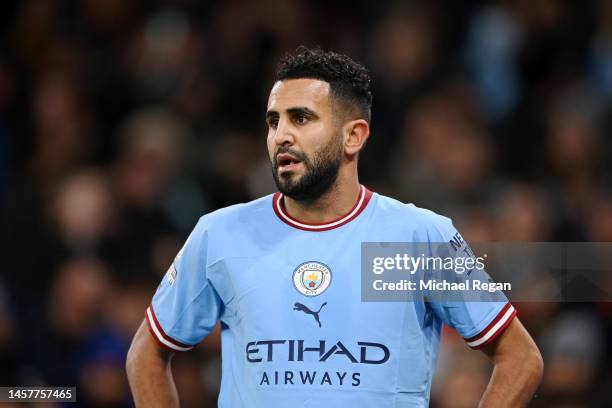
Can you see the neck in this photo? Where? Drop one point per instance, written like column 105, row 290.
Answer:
column 333, row 204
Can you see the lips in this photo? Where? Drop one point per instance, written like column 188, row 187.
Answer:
column 287, row 162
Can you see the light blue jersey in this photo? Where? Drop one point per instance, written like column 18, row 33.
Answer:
column 295, row 332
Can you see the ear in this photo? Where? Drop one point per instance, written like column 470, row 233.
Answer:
column 356, row 133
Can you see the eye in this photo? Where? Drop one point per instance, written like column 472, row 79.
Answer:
column 273, row 122
column 301, row 119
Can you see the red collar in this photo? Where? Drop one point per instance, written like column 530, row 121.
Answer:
column 360, row 205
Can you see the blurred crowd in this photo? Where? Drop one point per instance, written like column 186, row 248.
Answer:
column 122, row 122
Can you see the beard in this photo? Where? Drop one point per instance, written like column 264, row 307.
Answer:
column 320, row 172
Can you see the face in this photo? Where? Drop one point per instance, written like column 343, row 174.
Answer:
column 305, row 145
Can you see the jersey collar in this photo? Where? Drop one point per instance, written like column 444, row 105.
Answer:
column 360, row 205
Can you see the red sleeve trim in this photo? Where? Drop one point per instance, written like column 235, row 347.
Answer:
column 493, row 329
column 160, row 335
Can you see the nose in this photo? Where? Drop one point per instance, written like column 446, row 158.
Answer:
column 284, row 133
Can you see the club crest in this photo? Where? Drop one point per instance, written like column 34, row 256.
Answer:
column 312, row 278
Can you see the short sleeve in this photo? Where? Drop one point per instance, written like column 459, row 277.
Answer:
column 480, row 321
column 185, row 307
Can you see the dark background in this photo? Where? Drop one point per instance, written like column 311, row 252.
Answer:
column 121, row 122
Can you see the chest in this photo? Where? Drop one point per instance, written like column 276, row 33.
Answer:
column 306, row 288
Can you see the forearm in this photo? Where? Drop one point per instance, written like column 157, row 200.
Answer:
column 518, row 369
column 512, row 383
column 149, row 373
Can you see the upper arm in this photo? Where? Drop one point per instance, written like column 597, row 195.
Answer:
column 186, row 306
column 145, row 348
column 148, row 372
column 478, row 315
column 514, row 341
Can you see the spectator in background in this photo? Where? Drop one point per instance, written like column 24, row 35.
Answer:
column 146, row 185
column 442, row 123
column 72, row 311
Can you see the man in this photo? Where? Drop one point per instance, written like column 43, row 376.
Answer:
column 281, row 273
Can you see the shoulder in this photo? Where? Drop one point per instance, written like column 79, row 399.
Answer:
column 235, row 214
column 428, row 221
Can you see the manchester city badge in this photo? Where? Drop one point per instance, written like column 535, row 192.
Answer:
column 311, row 278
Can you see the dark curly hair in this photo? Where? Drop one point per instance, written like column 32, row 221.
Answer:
column 349, row 81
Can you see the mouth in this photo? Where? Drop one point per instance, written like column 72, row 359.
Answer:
column 287, row 162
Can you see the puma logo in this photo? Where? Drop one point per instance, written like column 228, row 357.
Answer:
column 305, row 309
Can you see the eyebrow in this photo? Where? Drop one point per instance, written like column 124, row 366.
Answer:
column 293, row 111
